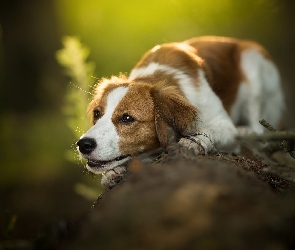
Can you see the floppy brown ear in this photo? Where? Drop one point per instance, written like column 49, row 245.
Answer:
column 173, row 110
column 161, row 129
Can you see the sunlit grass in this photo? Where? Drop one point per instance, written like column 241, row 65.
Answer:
column 73, row 58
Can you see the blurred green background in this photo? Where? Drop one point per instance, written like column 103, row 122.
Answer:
column 37, row 182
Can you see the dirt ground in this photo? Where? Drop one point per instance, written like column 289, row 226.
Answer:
column 185, row 201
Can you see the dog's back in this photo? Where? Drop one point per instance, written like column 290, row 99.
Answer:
column 246, row 69
column 241, row 73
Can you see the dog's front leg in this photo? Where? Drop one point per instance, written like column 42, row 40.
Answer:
column 112, row 177
column 217, row 135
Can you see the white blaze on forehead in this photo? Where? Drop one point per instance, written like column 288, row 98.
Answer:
column 113, row 99
column 104, row 131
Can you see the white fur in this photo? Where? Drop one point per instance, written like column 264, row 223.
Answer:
column 149, row 70
column 183, row 78
column 238, row 111
column 105, row 134
column 215, row 121
column 264, row 99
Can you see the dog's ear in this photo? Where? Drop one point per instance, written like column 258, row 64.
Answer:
column 172, row 110
column 161, row 129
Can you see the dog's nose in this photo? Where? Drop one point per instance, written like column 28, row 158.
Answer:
column 86, row 145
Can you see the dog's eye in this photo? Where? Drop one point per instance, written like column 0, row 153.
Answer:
column 96, row 114
column 127, row 118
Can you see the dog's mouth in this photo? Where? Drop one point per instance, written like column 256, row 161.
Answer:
column 95, row 164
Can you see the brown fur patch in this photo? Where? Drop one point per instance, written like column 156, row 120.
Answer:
column 222, row 57
column 139, row 136
column 176, row 55
column 173, row 110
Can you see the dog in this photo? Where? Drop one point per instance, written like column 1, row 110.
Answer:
column 201, row 89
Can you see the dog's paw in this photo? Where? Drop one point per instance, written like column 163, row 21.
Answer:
column 112, row 177
column 197, row 147
column 201, row 144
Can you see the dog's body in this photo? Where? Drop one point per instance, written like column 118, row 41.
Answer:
column 201, row 88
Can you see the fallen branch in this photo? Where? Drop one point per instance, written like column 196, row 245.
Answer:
column 284, row 140
column 272, row 136
column 265, row 124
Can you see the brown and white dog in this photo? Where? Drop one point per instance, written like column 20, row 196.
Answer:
column 201, row 88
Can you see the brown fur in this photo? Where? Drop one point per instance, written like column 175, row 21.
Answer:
column 172, row 110
column 155, row 108
column 139, row 136
column 176, row 55
column 222, row 56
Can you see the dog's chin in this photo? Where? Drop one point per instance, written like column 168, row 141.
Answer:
column 97, row 167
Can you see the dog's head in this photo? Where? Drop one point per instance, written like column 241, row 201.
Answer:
column 131, row 118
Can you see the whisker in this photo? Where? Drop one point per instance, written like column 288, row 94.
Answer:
column 83, row 90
